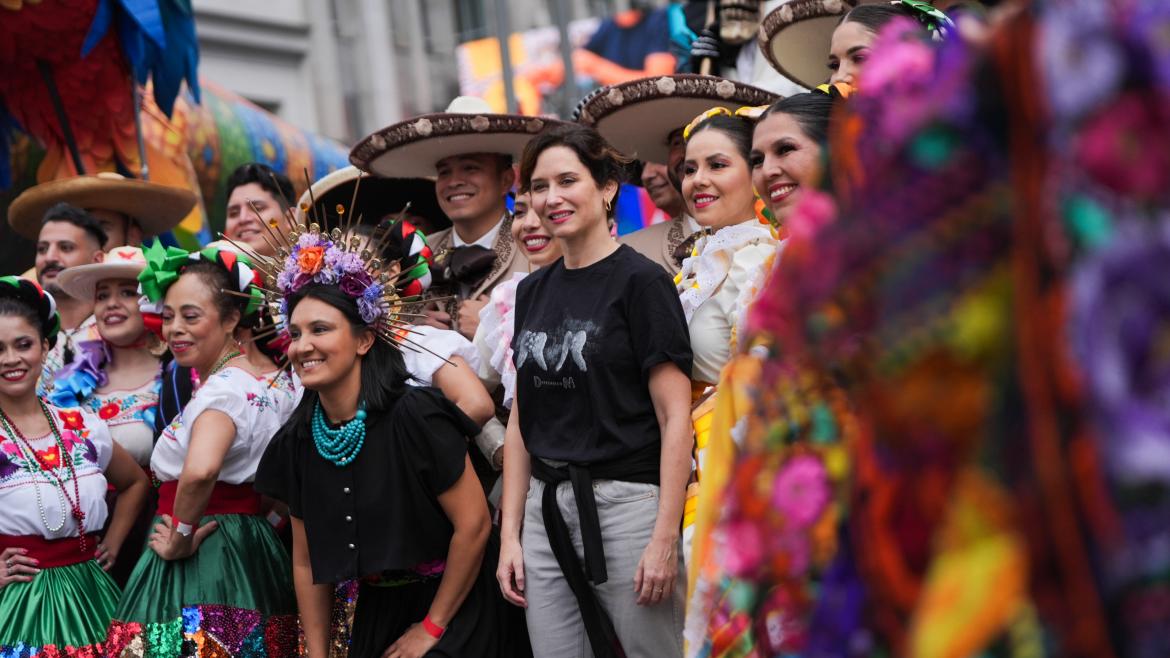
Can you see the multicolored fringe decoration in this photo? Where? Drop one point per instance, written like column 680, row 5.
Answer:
column 957, row 426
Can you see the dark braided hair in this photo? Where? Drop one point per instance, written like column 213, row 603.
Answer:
column 24, row 299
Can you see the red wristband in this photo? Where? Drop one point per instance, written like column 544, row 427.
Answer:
column 434, row 630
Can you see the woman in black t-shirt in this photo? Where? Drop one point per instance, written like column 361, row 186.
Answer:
column 379, row 486
column 598, row 442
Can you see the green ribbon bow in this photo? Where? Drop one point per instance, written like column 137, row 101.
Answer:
column 163, row 266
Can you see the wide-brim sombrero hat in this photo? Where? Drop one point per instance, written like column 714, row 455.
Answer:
column 123, row 262
column 376, row 198
column 411, row 148
column 157, row 208
column 637, row 117
column 795, row 38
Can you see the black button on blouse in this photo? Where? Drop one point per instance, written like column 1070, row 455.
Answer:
column 381, row 511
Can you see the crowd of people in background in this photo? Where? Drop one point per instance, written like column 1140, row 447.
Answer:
column 862, row 394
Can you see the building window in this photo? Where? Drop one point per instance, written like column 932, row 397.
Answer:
column 471, row 20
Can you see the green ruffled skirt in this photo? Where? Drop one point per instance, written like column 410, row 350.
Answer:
column 64, row 611
column 234, row 597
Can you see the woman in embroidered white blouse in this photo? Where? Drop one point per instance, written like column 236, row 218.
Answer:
column 731, row 252
column 719, row 280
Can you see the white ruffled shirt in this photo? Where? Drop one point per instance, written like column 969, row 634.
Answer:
column 443, row 344
column 712, row 287
column 26, row 491
column 493, row 338
column 257, row 408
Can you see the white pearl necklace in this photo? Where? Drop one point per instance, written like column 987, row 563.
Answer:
column 32, row 478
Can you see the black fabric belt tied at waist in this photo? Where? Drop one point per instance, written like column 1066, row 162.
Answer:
column 641, row 467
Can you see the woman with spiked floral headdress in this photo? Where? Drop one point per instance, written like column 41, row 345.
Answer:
column 403, row 511
column 56, row 463
column 216, row 577
column 392, row 213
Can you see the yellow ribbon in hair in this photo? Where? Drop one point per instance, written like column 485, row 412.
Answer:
column 747, row 112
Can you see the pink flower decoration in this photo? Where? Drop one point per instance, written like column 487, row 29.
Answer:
column 905, row 61
column 801, row 491
column 744, row 550
column 814, row 211
column 1126, row 146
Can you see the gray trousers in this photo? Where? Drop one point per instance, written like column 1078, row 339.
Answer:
column 627, row 512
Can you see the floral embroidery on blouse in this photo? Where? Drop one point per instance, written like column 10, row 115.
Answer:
column 171, row 430
column 281, row 382
column 76, row 385
column 14, row 458
column 125, row 407
column 261, row 402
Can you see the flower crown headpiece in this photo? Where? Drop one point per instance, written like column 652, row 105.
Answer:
column 319, row 258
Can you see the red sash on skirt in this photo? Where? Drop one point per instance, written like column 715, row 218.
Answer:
column 51, row 553
column 225, row 499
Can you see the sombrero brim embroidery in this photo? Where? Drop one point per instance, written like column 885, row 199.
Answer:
column 795, row 38
column 411, row 148
column 638, row 116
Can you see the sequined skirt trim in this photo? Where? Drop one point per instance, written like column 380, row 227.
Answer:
column 62, row 613
column 233, row 598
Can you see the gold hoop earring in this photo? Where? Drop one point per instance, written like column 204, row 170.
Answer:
column 608, row 205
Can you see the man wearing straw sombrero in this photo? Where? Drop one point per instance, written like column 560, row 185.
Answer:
column 645, row 119
column 129, row 210
column 61, row 217
column 469, row 151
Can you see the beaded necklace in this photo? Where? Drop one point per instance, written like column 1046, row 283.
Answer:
column 223, row 362
column 343, row 444
column 75, row 503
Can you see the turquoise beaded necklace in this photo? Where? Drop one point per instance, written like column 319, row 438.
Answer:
column 343, row 444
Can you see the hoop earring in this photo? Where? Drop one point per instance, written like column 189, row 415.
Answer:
column 608, row 205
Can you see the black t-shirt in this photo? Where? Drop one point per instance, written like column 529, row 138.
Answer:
column 381, row 511
column 584, row 343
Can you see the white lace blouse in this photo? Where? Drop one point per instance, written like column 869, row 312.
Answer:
column 711, row 288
